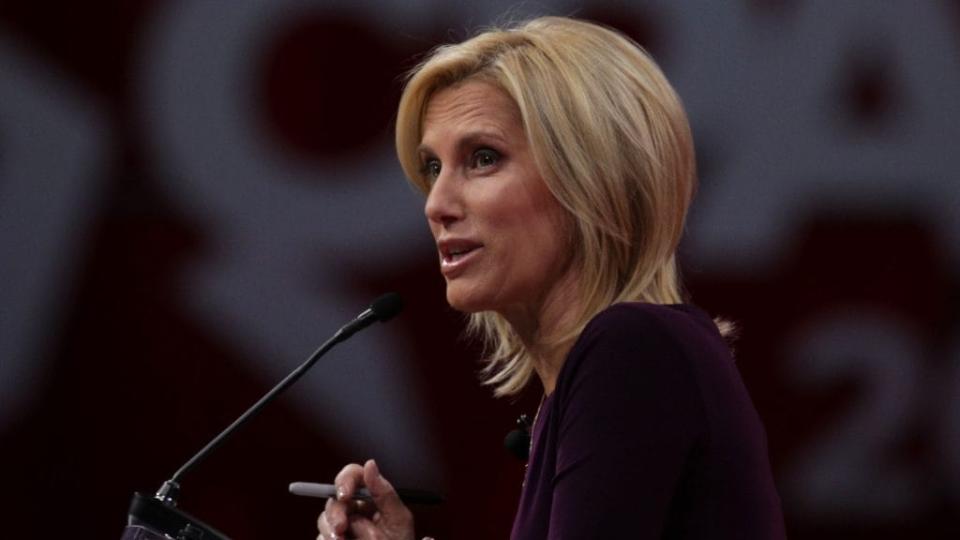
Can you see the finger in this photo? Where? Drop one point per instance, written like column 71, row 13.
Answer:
column 337, row 515
column 326, row 531
column 383, row 494
column 361, row 527
column 348, row 480
column 338, row 510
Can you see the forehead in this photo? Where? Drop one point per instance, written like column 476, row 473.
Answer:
column 473, row 104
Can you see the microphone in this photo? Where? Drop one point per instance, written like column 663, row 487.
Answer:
column 382, row 309
column 160, row 514
column 517, row 442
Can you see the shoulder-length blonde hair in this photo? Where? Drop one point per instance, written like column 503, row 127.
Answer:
column 613, row 144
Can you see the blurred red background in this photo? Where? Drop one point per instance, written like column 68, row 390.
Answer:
column 196, row 194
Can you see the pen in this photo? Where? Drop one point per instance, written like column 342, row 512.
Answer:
column 329, row 491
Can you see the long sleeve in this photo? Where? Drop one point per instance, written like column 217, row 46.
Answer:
column 630, row 424
column 649, row 433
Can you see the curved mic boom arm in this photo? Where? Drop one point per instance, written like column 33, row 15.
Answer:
column 382, row 309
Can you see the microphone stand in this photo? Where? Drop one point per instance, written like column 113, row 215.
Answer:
column 157, row 518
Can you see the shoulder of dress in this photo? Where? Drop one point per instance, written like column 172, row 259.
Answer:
column 630, row 353
column 640, row 337
column 624, row 331
column 639, row 320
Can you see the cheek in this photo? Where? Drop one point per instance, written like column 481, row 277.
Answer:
column 555, row 237
column 551, row 250
column 540, row 240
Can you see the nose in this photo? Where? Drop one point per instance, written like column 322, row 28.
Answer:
column 444, row 204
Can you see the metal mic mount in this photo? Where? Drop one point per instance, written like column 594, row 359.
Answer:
column 158, row 514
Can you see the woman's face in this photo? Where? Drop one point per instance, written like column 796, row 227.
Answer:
column 500, row 232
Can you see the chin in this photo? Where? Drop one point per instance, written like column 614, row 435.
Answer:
column 467, row 301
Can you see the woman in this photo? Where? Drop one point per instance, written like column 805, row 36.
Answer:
column 558, row 167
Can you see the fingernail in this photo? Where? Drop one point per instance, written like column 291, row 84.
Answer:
column 376, row 468
column 341, row 493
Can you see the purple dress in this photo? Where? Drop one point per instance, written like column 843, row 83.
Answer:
column 649, row 433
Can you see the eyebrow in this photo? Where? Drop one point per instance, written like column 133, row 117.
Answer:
column 468, row 139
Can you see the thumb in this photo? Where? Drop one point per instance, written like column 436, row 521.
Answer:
column 382, row 492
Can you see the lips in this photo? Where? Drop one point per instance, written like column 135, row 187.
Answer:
column 456, row 254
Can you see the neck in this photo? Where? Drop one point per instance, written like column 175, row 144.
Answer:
column 547, row 364
column 538, row 326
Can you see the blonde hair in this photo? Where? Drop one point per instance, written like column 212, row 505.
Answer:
column 613, row 144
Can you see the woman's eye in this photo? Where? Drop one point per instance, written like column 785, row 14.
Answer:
column 431, row 168
column 485, row 157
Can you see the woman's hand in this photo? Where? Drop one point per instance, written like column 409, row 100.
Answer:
column 383, row 518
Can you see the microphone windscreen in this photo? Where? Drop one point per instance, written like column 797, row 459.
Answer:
column 387, row 306
column 517, row 442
